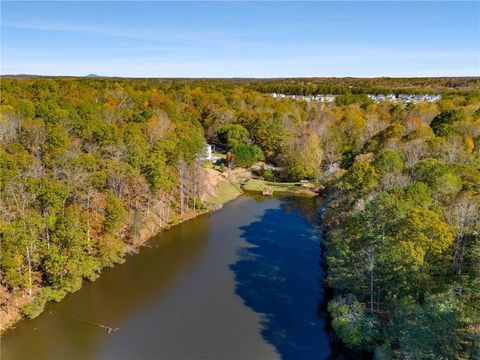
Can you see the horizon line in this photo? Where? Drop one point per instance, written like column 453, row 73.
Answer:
column 93, row 76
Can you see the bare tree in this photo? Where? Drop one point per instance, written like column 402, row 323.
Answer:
column 392, row 180
column 453, row 150
column 463, row 215
column 182, row 176
column 158, row 126
column 414, row 151
column 33, row 136
column 10, row 125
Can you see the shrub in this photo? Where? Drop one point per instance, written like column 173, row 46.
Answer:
column 267, row 175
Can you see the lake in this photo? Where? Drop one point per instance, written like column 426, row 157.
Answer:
column 244, row 282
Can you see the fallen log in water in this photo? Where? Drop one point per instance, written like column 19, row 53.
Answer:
column 109, row 329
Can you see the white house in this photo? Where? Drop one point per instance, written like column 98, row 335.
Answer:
column 206, row 154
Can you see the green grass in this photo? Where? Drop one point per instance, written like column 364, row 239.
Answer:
column 226, row 192
column 277, row 187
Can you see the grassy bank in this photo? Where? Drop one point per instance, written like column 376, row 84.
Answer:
column 296, row 188
column 226, row 192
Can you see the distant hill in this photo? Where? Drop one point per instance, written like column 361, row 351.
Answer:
column 92, row 76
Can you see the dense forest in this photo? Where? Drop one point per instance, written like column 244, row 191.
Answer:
column 84, row 161
column 384, row 85
column 403, row 228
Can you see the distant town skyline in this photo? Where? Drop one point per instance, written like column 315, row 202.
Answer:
column 241, row 39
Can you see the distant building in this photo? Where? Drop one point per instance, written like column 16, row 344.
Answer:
column 206, row 155
column 376, row 98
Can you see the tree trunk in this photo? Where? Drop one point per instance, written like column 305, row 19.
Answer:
column 29, row 271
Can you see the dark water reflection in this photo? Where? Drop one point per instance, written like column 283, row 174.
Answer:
column 240, row 283
column 280, row 277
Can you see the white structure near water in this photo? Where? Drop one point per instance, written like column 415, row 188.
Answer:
column 206, row 155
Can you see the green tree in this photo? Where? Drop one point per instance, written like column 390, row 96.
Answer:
column 441, row 124
column 115, row 213
column 441, row 178
column 360, row 179
column 247, row 155
column 270, row 135
column 137, row 145
column 233, row 134
column 429, row 331
column 352, row 323
column 57, row 139
column 389, row 161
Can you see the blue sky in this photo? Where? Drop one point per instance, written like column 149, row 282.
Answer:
column 241, row 39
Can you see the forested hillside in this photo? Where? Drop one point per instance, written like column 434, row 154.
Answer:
column 83, row 164
column 85, row 161
column 403, row 234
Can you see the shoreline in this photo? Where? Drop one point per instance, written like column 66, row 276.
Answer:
column 14, row 311
column 226, row 191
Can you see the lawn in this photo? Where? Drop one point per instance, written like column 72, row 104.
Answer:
column 225, row 192
column 277, row 187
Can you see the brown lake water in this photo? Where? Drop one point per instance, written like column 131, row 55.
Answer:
column 240, row 283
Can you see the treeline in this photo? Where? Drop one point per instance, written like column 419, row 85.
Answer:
column 403, row 237
column 84, row 166
column 464, row 86
column 348, row 86
column 86, row 161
